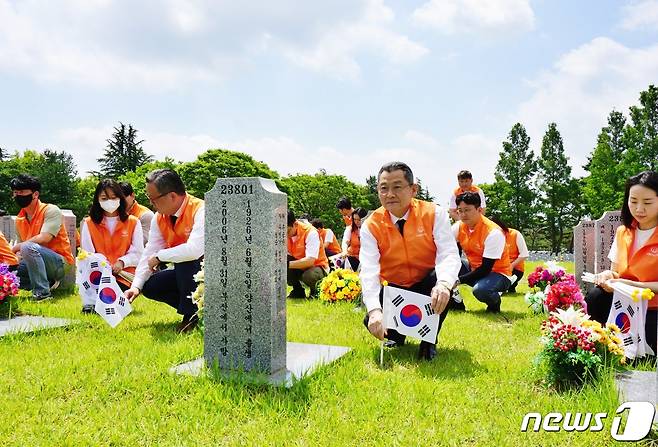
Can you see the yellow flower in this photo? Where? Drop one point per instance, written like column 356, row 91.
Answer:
column 384, row 283
column 332, row 289
column 82, row 254
column 340, row 283
column 647, row 294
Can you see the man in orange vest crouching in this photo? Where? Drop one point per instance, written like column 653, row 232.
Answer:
column 307, row 260
column 177, row 237
column 483, row 241
column 45, row 248
column 406, row 242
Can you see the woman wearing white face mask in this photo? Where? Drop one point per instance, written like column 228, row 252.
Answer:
column 109, row 230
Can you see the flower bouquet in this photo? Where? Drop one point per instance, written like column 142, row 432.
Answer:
column 340, row 285
column 8, row 288
column 553, row 288
column 576, row 349
column 198, row 295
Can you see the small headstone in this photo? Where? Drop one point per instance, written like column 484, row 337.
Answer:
column 583, row 250
column 8, row 227
column 638, row 386
column 604, row 235
column 69, row 224
column 28, row 323
column 245, row 287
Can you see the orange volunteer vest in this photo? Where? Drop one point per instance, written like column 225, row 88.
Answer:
column 473, row 245
column 175, row 235
column 137, row 210
column 114, row 245
column 333, row 245
column 6, row 255
column 298, row 248
column 513, row 248
column 643, row 265
column 60, row 244
column 405, row 260
column 355, row 244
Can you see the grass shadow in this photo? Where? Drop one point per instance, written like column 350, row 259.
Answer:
column 165, row 332
column 449, row 363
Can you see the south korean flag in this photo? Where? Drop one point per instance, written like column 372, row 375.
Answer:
column 410, row 314
column 630, row 317
column 88, row 278
column 111, row 303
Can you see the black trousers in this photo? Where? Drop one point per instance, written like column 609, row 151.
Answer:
column 423, row 287
column 174, row 286
column 354, row 262
column 599, row 303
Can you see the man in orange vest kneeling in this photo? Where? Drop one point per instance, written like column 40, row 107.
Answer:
column 307, row 260
column 177, row 237
column 45, row 248
column 406, row 242
column 483, row 241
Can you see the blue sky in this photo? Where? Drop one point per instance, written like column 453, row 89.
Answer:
column 340, row 85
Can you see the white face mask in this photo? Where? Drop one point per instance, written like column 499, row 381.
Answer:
column 110, row 205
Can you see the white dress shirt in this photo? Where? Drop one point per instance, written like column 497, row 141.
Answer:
column 447, row 262
column 156, row 246
column 134, row 253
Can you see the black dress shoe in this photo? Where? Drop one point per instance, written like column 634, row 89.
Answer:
column 188, row 324
column 297, row 293
column 426, row 351
column 493, row 308
column 454, row 305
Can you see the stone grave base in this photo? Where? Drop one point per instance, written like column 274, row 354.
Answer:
column 28, row 323
column 302, row 359
column 635, row 386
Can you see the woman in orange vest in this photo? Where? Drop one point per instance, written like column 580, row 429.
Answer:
column 634, row 252
column 517, row 248
column 112, row 232
column 328, row 238
column 6, row 255
column 352, row 238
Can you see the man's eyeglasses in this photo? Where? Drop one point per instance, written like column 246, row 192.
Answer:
column 396, row 189
column 153, row 199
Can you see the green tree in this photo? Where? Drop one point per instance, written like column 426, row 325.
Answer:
column 373, row 197
column 124, row 152
column 603, row 189
column 560, row 204
column 200, row 175
column 515, row 170
column 317, row 195
column 642, row 136
column 423, row 192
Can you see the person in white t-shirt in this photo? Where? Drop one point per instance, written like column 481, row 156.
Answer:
column 517, row 249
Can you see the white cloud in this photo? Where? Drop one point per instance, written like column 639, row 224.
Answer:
column 335, row 52
column 466, row 16
column 170, row 44
column 640, row 15
column 582, row 88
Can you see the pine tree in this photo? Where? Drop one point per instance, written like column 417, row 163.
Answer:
column 124, row 153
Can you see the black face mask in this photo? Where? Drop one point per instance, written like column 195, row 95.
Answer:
column 23, row 201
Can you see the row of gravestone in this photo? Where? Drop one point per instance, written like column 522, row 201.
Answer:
column 592, row 242
column 8, row 228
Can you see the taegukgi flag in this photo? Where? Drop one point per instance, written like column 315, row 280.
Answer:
column 628, row 312
column 410, row 314
column 111, row 303
column 88, row 278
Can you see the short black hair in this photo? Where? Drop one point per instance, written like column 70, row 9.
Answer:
column 464, row 174
column 166, row 181
column 317, row 223
column 344, row 204
column 469, row 198
column 127, row 188
column 398, row 166
column 25, row 181
column 362, row 213
column 648, row 179
column 96, row 212
column 291, row 218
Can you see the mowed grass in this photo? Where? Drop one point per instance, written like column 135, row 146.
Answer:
column 89, row 384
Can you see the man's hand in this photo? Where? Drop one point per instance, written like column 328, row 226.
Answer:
column 16, row 248
column 440, row 297
column 132, row 294
column 117, row 267
column 153, row 263
column 376, row 324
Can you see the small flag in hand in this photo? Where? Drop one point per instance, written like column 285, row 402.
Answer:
column 410, row 314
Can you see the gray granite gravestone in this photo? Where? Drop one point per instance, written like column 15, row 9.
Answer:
column 245, row 286
column 638, row 386
column 70, row 225
column 583, row 250
column 29, row 323
column 8, row 227
column 604, row 234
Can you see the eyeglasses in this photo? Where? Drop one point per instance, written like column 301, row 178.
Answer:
column 153, row 199
column 465, row 210
column 385, row 189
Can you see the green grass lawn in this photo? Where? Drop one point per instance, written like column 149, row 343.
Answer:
column 92, row 385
